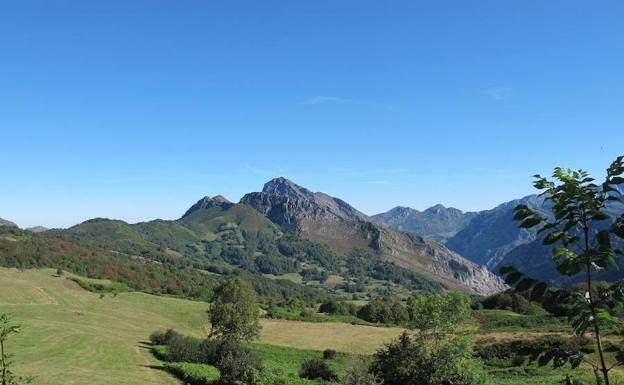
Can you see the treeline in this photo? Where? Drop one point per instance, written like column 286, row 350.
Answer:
column 183, row 278
column 381, row 311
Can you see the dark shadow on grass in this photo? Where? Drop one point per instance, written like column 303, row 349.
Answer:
column 156, row 367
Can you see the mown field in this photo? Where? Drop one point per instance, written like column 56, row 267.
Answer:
column 71, row 336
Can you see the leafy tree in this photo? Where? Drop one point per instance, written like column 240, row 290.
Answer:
column 409, row 360
column 360, row 374
column 6, row 329
column 377, row 311
column 236, row 363
column 583, row 230
column 439, row 354
column 234, row 311
column 437, row 314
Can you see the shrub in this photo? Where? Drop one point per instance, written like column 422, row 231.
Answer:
column 314, row 368
column 338, row 308
column 518, row 360
column 235, row 362
column 407, row 361
column 163, row 338
column 329, row 354
column 376, row 311
column 194, row 374
column 184, row 349
column 532, row 349
column 359, row 374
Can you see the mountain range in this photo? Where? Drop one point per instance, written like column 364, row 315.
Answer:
column 490, row 237
column 286, row 231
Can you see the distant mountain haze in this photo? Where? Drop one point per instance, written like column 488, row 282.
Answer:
column 483, row 237
column 437, row 222
column 35, row 229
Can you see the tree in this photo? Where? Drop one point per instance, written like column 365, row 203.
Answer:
column 359, row 374
column 583, row 230
column 377, row 311
column 440, row 353
column 6, row 329
column 234, row 311
column 435, row 315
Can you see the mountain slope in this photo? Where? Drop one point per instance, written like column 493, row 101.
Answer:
column 493, row 233
column 37, row 229
column 437, row 222
column 328, row 220
column 535, row 259
column 4, row 222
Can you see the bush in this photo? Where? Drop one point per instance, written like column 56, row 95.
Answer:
column 194, row 374
column 518, row 360
column 508, row 350
column 235, row 362
column 314, row 368
column 163, row 338
column 184, row 349
column 329, row 354
column 359, row 374
column 338, row 308
column 511, row 301
column 416, row 362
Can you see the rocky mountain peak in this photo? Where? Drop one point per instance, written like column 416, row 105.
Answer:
column 208, row 202
column 287, row 204
column 220, row 199
column 284, row 187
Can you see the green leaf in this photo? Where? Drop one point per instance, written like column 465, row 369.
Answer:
column 538, row 291
column 617, row 180
column 604, row 316
column 531, row 222
column 600, row 216
column 553, row 237
column 618, row 227
column 525, row 284
column 513, row 277
column 604, row 239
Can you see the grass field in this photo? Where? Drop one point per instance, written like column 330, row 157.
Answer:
column 71, row 336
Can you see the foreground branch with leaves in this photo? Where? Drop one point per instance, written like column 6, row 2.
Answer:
column 7, row 328
column 582, row 231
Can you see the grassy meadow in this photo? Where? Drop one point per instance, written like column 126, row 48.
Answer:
column 71, row 336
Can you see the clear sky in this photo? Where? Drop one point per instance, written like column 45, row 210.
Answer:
column 136, row 109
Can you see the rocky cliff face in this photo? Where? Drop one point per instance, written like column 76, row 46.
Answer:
column 289, row 205
column 329, row 220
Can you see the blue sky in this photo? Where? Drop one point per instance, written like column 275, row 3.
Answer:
column 136, row 109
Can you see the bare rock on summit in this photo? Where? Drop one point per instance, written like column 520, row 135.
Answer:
column 322, row 218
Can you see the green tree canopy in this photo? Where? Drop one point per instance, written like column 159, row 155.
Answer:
column 440, row 353
column 582, row 232
column 234, row 311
